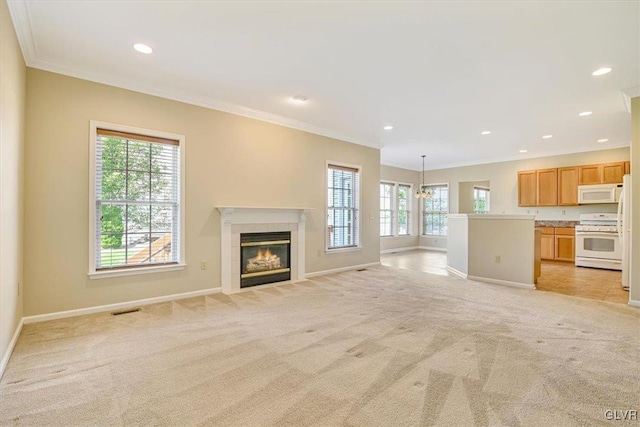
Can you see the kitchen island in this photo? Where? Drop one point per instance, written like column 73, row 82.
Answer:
column 492, row 248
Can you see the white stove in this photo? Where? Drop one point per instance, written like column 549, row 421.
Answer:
column 597, row 242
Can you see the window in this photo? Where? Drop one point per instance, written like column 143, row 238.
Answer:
column 386, row 209
column 404, row 209
column 480, row 200
column 435, row 209
column 136, row 206
column 343, row 184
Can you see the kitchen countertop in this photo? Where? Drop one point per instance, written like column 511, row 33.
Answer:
column 557, row 223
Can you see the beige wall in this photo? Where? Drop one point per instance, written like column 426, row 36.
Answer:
column 230, row 160
column 404, row 176
column 12, row 109
column 503, row 179
column 635, row 211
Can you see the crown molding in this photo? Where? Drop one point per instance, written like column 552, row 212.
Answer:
column 627, row 94
column 22, row 22
column 508, row 158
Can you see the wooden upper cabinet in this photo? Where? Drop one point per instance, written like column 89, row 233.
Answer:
column 591, row 174
column 547, row 186
column 568, row 186
column 527, row 186
column 627, row 167
column 612, row 173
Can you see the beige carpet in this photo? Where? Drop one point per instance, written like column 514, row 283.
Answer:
column 383, row 347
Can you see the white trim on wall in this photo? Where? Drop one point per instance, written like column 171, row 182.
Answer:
column 118, row 306
column 340, row 270
column 12, row 345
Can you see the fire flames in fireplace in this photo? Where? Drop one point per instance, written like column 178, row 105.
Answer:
column 264, row 261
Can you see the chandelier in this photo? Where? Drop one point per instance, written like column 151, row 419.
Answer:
column 423, row 192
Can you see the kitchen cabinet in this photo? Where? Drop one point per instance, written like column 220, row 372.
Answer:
column 547, row 243
column 612, row 173
column 591, row 174
column 557, row 243
column 568, row 186
column 605, row 173
column 627, row 167
column 547, row 187
column 527, row 188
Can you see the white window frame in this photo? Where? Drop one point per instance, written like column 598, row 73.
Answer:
column 422, row 211
column 394, row 224
column 358, row 246
column 409, row 206
column 97, row 274
column 488, row 204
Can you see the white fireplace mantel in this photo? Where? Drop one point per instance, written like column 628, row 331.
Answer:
column 275, row 219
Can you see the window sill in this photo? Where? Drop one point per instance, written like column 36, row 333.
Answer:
column 135, row 271
column 341, row 250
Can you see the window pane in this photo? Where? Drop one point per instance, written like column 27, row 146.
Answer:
column 342, row 207
column 129, row 172
column 435, row 210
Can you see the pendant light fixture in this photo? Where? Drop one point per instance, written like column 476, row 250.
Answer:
column 423, row 192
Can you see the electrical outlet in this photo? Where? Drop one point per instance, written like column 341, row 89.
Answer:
column 203, row 265
column 497, row 258
column 564, row 212
column 319, row 252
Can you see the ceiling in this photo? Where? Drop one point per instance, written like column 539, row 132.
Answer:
column 439, row 72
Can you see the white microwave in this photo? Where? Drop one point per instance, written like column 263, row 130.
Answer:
column 601, row 193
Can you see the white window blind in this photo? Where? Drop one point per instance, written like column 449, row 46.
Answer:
column 342, row 207
column 386, row 209
column 137, row 200
column 435, row 210
column 404, row 209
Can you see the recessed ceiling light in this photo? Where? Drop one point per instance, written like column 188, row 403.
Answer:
column 585, row 113
column 547, row 136
column 485, row 132
column 601, row 71
column 523, row 151
column 142, row 48
column 299, row 99
column 603, row 140
column 388, row 127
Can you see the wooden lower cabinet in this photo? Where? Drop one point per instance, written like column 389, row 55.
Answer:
column 547, row 246
column 557, row 243
column 565, row 247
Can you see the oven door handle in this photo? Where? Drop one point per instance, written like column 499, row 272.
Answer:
column 596, row 233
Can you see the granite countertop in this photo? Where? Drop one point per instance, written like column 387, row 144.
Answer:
column 556, row 223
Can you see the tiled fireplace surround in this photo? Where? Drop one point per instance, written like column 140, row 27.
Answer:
column 236, row 220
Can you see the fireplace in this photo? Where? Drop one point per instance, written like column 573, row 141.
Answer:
column 264, row 258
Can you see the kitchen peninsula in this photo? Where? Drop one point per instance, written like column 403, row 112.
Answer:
column 492, row 248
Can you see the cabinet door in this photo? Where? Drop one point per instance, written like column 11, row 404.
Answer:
column 627, row 167
column 547, row 182
column 568, row 186
column 612, row 173
column 547, row 247
column 565, row 247
column 591, row 174
column 527, row 188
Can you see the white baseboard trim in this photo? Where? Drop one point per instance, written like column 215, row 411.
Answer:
column 634, row 303
column 503, row 282
column 118, row 306
column 12, row 345
column 340, row 270
column 389, row 251
column 432, row 248
column 456, row 272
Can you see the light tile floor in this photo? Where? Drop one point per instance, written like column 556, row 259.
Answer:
column 559, row 277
